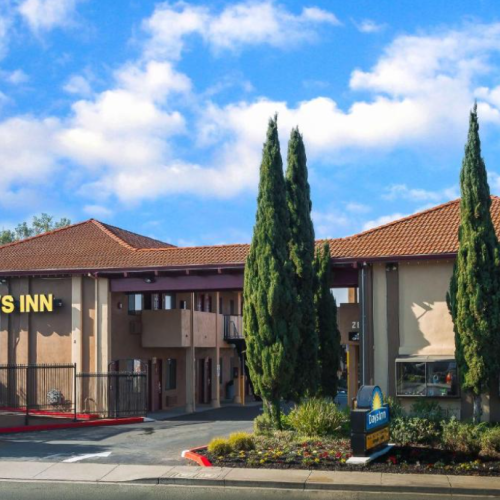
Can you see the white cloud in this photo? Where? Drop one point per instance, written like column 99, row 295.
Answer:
column 97, row 211
column 380, row 221
column 419, row 92
column 358, row 208
column 27, row 151
column 403, row 192
column 44, row 15
column 78, row 85
column 369, row 26
column 329, row 224
column 245, row 23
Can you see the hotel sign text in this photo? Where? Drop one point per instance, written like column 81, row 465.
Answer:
column 28, row 303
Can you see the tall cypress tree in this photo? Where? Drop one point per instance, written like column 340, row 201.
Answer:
column 474, row 296
column 326, row 324
column 270, row 303
column 302, row 255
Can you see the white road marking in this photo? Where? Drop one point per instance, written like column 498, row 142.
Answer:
column 104, row 454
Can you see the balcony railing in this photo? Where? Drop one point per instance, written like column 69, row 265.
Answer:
column 233, row 328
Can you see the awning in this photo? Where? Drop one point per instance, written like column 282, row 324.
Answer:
column 424, row 359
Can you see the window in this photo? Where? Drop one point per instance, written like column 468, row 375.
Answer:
column 135, row 303
column 231, row 307
column 220, row 306
column 183, row 304
column 427, row 377
column 155, row 301
column 168, row 301
column 171, row 374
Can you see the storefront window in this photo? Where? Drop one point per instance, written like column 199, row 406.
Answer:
column 411, row 379
column 442, row 379
column 427, row 377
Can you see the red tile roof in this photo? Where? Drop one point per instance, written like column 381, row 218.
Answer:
column 93, row 246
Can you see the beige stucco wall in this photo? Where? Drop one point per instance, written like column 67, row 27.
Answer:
column 166, row 328
column 425, row 324
column 380, row 326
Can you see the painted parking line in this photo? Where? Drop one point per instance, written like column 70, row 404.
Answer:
column 78, row 458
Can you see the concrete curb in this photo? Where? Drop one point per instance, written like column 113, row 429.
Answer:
column 286, row 479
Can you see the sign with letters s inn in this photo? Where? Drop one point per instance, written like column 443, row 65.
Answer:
column 37, row 303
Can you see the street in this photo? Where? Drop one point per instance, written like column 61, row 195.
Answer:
column 151, row 443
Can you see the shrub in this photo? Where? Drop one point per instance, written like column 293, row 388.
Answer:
column 262, row 425
column 219, row 447
column 395, row 408
column 241, row 441
column 490, row 442
column 414, row 430
column 317, row 417
column 462, row 437
column 429, row 410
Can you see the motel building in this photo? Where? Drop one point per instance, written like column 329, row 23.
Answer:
column 105, row 299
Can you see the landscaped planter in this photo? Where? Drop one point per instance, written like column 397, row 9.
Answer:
column 332, row 455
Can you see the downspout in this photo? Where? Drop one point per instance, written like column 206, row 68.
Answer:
column 363, row 323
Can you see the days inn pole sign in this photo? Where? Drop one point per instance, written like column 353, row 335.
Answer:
column 369, row 422
column 29, row 303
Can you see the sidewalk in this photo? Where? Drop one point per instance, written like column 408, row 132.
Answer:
column 252, row 478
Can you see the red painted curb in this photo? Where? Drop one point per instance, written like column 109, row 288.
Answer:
column 48, row 413
column 197, row 458
column 72, row 425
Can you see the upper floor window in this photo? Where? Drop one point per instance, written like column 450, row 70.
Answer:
column 168, row 301
column 135, row 303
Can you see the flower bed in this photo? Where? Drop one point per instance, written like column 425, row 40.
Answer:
column 283, row 451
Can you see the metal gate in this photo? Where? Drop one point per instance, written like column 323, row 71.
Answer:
column 112, row 394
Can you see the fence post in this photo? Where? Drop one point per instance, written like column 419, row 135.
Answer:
column 28, row 388
column 75, row 396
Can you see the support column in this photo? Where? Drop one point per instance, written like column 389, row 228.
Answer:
column 393, row 342
column 366, row 341
column 190, row 364
column 102, row 324
column 76, row 321
column 352, row 373
column 215, row 397
column 5, row 335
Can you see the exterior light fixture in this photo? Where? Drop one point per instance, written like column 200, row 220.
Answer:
column 149, row 280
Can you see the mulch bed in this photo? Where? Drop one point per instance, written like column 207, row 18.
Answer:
column 332, row 455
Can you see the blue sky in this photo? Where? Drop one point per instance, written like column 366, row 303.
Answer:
column 151, row 115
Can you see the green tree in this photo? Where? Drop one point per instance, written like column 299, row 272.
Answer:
column 474, row 295
column 326, row 324
column 38, row 225
column 270, row 303
column 302, row 256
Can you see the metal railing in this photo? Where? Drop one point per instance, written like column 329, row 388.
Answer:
column 59, row 391
column 38, row 389
column 231, row 331
column 112, row 394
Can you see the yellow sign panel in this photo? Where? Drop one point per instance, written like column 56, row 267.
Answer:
column 27, row 303
column 377, row 438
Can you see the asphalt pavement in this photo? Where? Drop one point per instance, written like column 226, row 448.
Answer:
column 149, row 443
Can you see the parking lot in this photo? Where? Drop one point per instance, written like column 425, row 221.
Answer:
column 159, row 442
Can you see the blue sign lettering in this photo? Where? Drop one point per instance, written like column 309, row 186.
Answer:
column 377, row 418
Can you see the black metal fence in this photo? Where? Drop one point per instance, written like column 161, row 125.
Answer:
column 112, row 394
column 59, row 391
column 38, row 388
